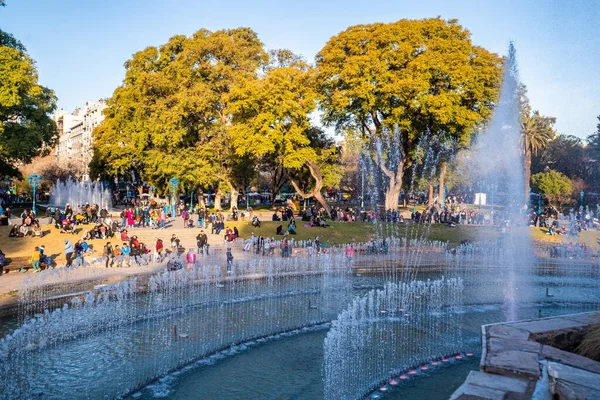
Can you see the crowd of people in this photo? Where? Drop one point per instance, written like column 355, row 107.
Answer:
column 93, row 222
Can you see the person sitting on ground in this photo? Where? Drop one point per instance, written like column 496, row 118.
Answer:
column 291, row 229
column 2, row 261
column 37, row 229
column 134, row 242
column 124, row 236
column 159, row 247
column 275, row 217
column 175, row 242
column 255, row 222
column 236, row 233
column 279, row 230
column 14, row 231
column 23, row 230
column 126, row 253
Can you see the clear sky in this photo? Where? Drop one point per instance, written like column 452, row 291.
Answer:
column 80, row 46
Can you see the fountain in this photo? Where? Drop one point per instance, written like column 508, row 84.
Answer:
column 390, row 332
column 403, row 307
column 79, row 193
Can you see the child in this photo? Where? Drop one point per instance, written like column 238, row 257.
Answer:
column 35, row 260
column 229, row 260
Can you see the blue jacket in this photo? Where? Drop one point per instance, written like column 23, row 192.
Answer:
column 68, row 247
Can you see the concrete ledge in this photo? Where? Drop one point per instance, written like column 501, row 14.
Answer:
column 513, row 354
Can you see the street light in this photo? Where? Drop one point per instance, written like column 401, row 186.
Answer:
column 34, row 181
column 247, row 199
column 174, row 182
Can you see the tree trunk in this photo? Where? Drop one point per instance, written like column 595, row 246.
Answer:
column 392, row 193
column 315, row 172
column 527, row 173
column 234, row 196
column 218, row 196
column 201, row 202
column 279, row 179
column 322, row 201
column 430, row 195
column 441, row 197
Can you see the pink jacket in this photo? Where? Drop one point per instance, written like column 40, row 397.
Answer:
column 191, row 258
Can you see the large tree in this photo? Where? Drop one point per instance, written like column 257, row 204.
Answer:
column 536, row 132
column 555, row 186
column 271, row 118
column 592, row 151
column 170, row 118
column 391, row 83
column 26, row 128
column 566, row 154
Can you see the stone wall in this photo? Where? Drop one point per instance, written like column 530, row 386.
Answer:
column 527, row 359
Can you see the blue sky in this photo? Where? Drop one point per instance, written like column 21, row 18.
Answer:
column 80, row 46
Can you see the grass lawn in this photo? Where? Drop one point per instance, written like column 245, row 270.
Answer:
column 344, row 232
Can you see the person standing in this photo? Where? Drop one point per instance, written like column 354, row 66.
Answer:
column 191, row 258
column 184, row 216
column 124, row 219
column 349, row 251
column 69, row 252
column 201, row 216
column 229, row 260
column 79, row 250
column 108, row 253
column 35, row 260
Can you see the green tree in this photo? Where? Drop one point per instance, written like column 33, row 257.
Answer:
column 392, row 83
column 536, row 132
column 565, row 154
column 26, row 129
column 169, row 117
column 271, row 119
column 592, row 151
column 555, row 186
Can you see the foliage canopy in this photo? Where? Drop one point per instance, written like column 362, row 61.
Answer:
column 26, row 129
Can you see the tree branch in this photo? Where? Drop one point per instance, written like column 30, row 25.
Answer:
column 299, row 191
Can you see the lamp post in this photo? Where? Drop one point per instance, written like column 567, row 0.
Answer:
column 247, row 198
column 362, row 190
column 34, row 180
column 174, row 182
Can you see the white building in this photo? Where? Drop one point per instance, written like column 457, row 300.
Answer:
column 75, row 135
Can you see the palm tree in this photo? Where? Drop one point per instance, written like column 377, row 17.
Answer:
column 536, row 132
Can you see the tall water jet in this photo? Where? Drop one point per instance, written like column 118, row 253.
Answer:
column 498, row 159
column 79, row 193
